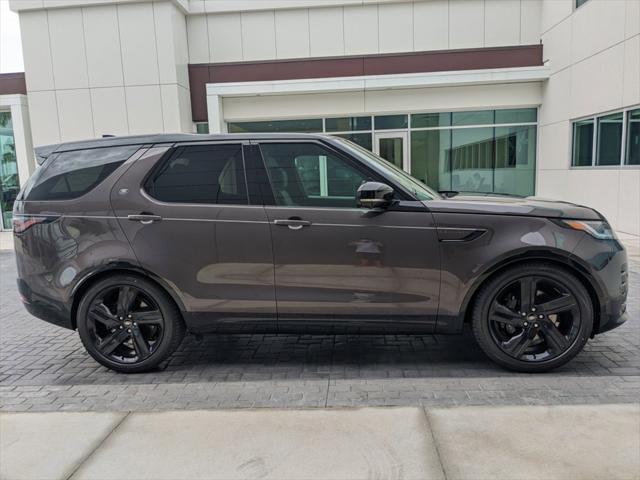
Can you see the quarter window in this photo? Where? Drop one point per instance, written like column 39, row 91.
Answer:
column 210, row 174
column 310, row 175
column 72, row 174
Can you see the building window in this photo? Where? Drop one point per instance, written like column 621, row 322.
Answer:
column 583, row 143
column 309, row 125
column 609, row 146
column 633, row 138
column 390, row 122
column 202, row 127
column 602, row 141
column 9, row 181
column 488, row 151
column 579, row 3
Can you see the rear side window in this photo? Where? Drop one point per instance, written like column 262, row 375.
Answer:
column 72, row 174
column 210, row 174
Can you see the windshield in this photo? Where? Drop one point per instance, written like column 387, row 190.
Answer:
column 388, row 169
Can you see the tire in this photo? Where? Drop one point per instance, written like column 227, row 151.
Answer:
column 492, row 325
column 129, row 324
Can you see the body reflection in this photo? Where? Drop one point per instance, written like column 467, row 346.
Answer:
column 368, row 252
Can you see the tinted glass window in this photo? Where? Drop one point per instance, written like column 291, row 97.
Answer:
column 72, row 174
column 633, row 138
column 201, row 174
column 389, row 122
column 309, row 175
column 609, row 147
column 347, row 124
column 582, row 143
column 302, row 125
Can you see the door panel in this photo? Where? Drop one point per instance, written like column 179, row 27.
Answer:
column 217, row 257
column 338, row 264
column 356, row 266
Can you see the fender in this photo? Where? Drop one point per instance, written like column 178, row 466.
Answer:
column 120, row 267
column 573, row 263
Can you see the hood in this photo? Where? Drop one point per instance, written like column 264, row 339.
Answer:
column 505, row 205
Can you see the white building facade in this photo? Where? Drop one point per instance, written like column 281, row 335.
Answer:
column 527, row 97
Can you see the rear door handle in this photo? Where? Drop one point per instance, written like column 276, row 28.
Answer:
column 145, row 218
column 292, row 223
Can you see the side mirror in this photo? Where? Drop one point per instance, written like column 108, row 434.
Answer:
column 374, row 195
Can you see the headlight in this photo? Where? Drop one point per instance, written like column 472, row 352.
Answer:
column 596, row 228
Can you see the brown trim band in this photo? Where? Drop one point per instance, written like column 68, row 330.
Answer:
column 383, row 64
column 12, row 83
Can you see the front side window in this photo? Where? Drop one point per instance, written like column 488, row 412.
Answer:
column 72, row 174
column 209, row 174
column 307, row 174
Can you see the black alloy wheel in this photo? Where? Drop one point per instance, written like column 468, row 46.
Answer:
column 534, row 318
column 128, row 324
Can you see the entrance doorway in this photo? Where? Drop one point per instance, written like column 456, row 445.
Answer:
column 392, row 146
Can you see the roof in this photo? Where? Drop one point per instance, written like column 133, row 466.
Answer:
column 46, row 150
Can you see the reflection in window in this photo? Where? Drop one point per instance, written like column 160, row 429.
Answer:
column 609, row 146
column 429, row 157
column 480, row 117
column 472, row 159
column 309, row 125
column 391, row 122
column 633, row 138
column 347, row 124
column 515, row 160
column 362, row 139
column 582, row 143
column 9, row 182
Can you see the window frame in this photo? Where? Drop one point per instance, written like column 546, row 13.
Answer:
column 172, row 152
column 595, row 118
column 402, row 194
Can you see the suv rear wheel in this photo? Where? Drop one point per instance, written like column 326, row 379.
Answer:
column 533, row 317
column 129, row 324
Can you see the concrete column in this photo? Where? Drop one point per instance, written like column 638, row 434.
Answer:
column 215, row 114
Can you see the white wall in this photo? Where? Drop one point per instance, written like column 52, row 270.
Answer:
column 106, row 69
column 509, row 95
column 355, row 28
column 594, row 57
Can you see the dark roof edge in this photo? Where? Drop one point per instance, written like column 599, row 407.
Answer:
column 46, row 150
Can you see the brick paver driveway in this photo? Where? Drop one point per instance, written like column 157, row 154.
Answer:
column 43, row 367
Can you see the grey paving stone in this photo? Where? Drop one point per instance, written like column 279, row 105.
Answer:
column 46, row 367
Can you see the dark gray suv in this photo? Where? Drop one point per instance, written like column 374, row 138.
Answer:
column 135, row 240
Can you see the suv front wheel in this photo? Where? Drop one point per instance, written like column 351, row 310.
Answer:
column 129, row 324
column 533, row 318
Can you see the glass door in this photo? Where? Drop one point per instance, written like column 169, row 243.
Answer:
column 392, row 146
column 9, row 183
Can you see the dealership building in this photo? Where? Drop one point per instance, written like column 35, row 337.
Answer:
column 524, row 97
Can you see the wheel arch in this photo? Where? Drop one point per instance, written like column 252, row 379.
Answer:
column 90, row 279
column 568, row 263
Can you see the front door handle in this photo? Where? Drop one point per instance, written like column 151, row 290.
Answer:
column 144, row 218
column 292, row 223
